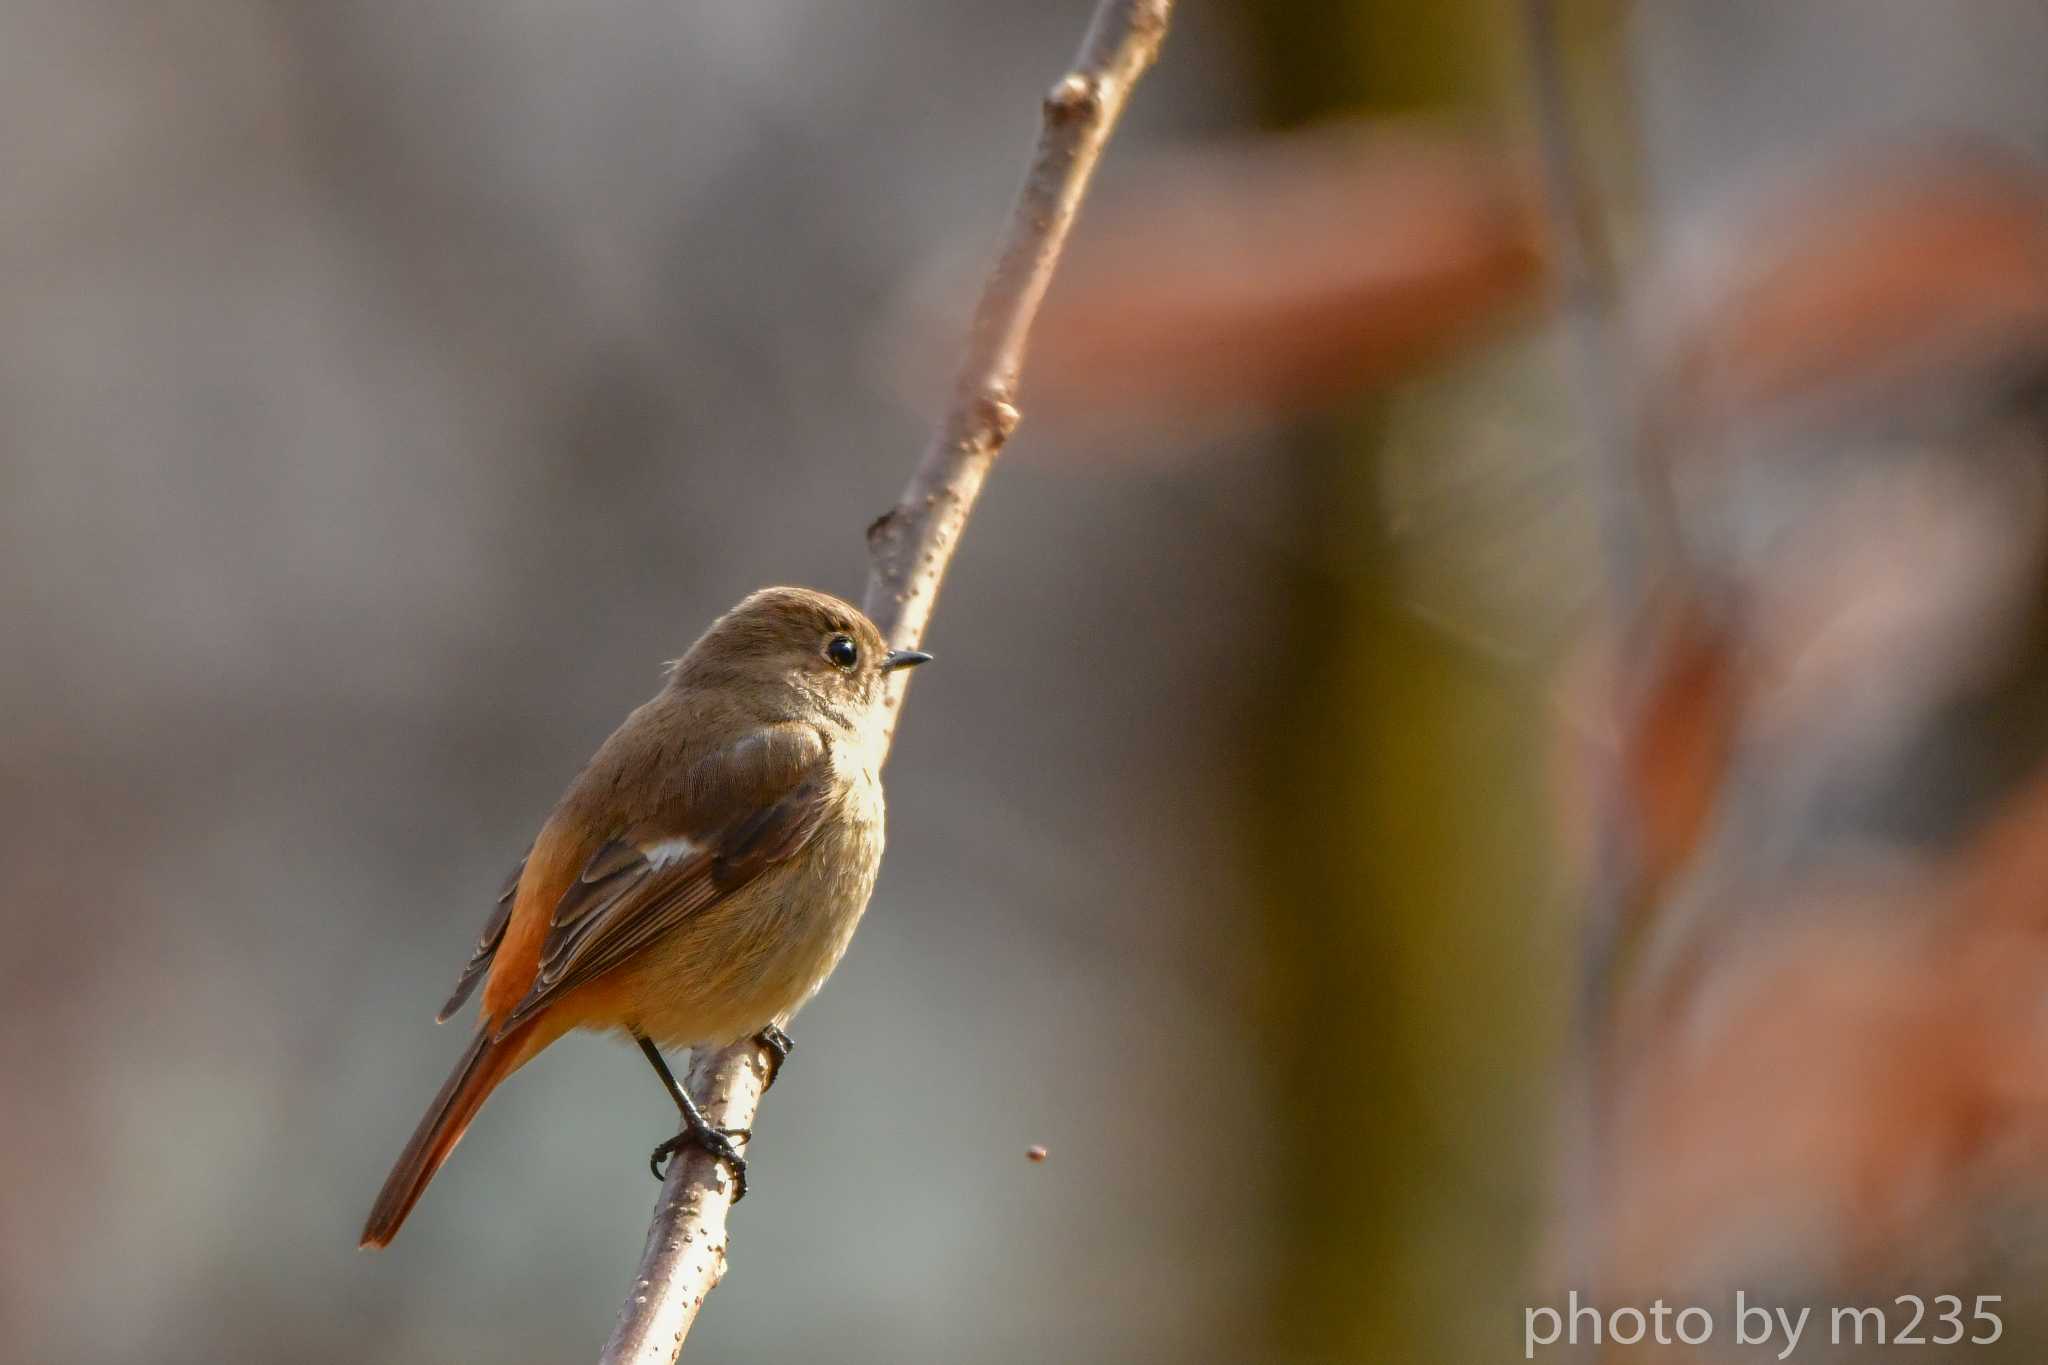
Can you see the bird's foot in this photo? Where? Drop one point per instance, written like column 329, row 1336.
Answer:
column 717, row 1141
column 779, row 1045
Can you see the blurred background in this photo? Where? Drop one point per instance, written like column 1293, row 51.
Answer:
column 386, row 390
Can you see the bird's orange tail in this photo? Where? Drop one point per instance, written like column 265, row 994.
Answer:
column 488, row 1061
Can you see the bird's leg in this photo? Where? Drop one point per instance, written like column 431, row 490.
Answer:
column 779, row 1045
column 697, row 1130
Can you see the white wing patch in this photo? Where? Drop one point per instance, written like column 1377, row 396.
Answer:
column 669, row 851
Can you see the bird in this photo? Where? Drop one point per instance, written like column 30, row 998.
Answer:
column 698, row 880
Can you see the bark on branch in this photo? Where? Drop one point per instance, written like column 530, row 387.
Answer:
column 909, row 548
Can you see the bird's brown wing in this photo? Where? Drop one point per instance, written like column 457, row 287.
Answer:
column 742, row 810
column 486, row 947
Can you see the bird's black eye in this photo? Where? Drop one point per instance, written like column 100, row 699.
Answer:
column 842, row 651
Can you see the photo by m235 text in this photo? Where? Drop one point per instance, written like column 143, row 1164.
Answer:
column 1909, row 1320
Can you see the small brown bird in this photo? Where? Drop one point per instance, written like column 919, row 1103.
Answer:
column 700, row 878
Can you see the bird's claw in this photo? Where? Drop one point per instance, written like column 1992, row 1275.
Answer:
column 716, row 1141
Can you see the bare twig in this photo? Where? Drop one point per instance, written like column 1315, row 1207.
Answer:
column 1636, row 521
column 911, row 545
column 909, row 548
column 1586, row 301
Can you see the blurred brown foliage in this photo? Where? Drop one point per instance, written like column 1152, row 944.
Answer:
column 1290, row 270
column 1827, row 1066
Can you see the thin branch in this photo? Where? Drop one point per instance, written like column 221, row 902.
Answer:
column 911, row 545
column 909, row 548
column 1638, row 527
column 1630, row 503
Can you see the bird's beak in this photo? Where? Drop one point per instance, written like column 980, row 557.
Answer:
column 904, row 658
